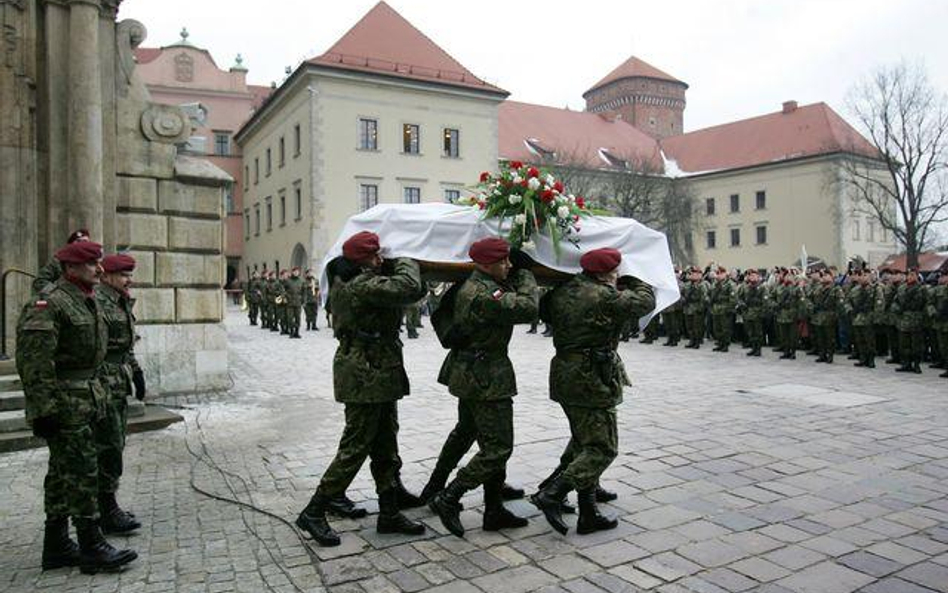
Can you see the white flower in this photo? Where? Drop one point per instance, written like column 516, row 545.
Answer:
column 534, row 183
column 571, row 197
column 463, row 200
column 520, row 219
column 516, row 178
column 528, row 245
column 562, row 212
column 550, row 180
column 514, row 199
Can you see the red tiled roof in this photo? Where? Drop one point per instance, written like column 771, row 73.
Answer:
column 260, row 94
column 930, row 261
column 792, row 133
column 143, row 55
column 384, row 42
column 632, row 68
column 573, row 135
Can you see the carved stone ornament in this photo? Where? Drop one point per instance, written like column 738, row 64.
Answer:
column 129, row 34
column 166, row 124
column 183, row 68
column 18, row 4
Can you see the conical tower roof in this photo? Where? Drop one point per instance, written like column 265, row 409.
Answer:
column 634, row 68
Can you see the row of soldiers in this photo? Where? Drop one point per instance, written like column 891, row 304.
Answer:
column 76, row 360
column 863, row 313
column 280, row 301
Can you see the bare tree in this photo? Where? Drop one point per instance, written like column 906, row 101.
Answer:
column 904, row 186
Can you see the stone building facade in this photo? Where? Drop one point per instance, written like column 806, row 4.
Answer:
column 82, row 146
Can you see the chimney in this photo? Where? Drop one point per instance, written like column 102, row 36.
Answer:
column 789, row 106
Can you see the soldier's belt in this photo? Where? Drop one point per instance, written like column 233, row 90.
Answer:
column 75, row 374
column 593, row 354
column 117, row 357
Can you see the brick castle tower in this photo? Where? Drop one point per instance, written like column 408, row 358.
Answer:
column 642, row 95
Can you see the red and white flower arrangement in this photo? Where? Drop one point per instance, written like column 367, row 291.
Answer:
column 533, row 200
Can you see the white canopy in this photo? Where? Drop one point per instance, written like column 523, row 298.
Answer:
column 444, row 232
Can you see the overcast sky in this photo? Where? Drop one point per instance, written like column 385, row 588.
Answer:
column 741, row 58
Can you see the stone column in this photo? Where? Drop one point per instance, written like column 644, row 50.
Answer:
column 85, row 143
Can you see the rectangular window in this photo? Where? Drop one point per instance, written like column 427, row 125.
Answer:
column 269, row 162
column 298, row 199
column 282, row 208
column 222, row 143
column 411, row 139
column 297, row 141
column 269, row 214
column 412, row 195
column 870, row 231
column 246, row 175
column 256, row 170
column 451, row 143
column 247, row 224
column 761, row 235
column 368, row 196
column 282, row 151
column 368, row 134
column 452, row 195
column 735, row 237
column 689, row 242
column 711, row 239
column 761, row 200
column 229, row 199
column 256, row 213
column 855, row 229
column 709, row 206
column 735, row 203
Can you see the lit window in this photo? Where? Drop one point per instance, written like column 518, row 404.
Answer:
column 411, row 139
column 451, row 140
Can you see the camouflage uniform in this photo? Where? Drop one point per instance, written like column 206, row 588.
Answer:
column 586, row 375
column 889, row 321
column 864, row 303
column 826, row 301
column 368, row 372
column 62, row 339
column 294, row 287
column 278, row 293
column 47, row 276
column 480, row 373
column 722, row 300
column 695, row 302
column 938, row 309
column 116, row 375
column 790, row 306
column 674, row 320
column 266, row 311
column 254, row 295
column 311, row 303
column 909, row 305
column 753, row 301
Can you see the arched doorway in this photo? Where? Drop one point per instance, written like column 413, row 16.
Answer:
column 299, row 259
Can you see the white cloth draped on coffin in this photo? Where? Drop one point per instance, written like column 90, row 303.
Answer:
column 444, row 232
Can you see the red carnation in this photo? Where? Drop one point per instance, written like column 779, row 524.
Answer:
column 523, row 183
column 558, row 186
column 485, row 176
column 515, row 165
column 505, row 182
column 533, row 172
column 581, row 202
column 547, row 195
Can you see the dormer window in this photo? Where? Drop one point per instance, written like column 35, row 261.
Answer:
column 613, row 160
column 534, row 146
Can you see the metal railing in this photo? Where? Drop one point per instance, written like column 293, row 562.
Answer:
column 3, row 308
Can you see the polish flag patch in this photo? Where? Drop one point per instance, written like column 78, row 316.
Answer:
column 41, row 304
column 497, row 294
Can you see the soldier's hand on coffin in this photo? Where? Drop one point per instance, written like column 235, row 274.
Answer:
column 520, row 260
column 45, row 426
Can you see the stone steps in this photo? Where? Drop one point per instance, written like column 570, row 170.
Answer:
column 13, row 420
column 10, row 382
column 8, row 367
column 150, row 418
column 11, row 400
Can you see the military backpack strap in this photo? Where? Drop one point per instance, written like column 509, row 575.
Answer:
column 443, row 319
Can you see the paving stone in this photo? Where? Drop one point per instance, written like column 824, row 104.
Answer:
column 759, row 569
column 794, row 557
column 826, row 577
column 870, row 564
column 728, row 579
column 894, row 585
column 515, row 580
column 612, row 583
column 613, row 553
column 667, row 566
column 711, row 553
column 927, row 574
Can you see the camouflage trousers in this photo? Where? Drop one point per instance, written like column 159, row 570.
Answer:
column 895, row 342
column 754, row 330
column 650, row 333
column 864, row 339
column 911, row 345
column 110, row 443
column 293, row 313
column 371, row 431
column 788, row 335
column 943, row 345
column 694, row 322
column 253, row 309
column 311, row 310
column 673, row 323
column 722, row 326
column 824, row 338
column 72, row 484
column 491, row 423
column 593, row 445
column 265, row 316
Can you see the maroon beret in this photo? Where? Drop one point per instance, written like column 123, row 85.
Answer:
column 78, row 235
column 360, row 246
column 80, row 252
column 600, row 261
column 118, row 262
column 489, row 251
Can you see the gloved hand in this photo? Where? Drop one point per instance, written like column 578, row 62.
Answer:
column 138, row 379
column 45, row 426
column 520, row 260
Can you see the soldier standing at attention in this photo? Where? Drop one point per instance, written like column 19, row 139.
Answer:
column 479, row 373
column 674, row 317
column 62, row 340
column 266, row 304
column 587, row 378
column 695, row 302
column 939, row 314
column 278, row 294
column 295, row 287
column 791, row 308
column 119, row 374
column 722, row 308
column 311, row 301
column 368, row 378
column 752, row 305
column 826, row 300
column 864, row 301
column 253, row 295
column 910, row 304
column 51, row 272
column 894, row 281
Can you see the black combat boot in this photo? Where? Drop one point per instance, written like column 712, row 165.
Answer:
column 406, row 500
column 508, row 492
column 95, row 553
column 113, row 518
column 550, row 499
column 906, row 367
column 391, row 520
column 342, row 506
column 944, row 375
column 313, row 521
column 916, row 367
column 590, row 519
column 58, row 548
column 447, row 505
column 603, row 495
column 435, row 485
column 565, row 506
column 496, row 516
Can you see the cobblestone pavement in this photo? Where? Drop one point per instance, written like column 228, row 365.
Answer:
column 734, row 474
